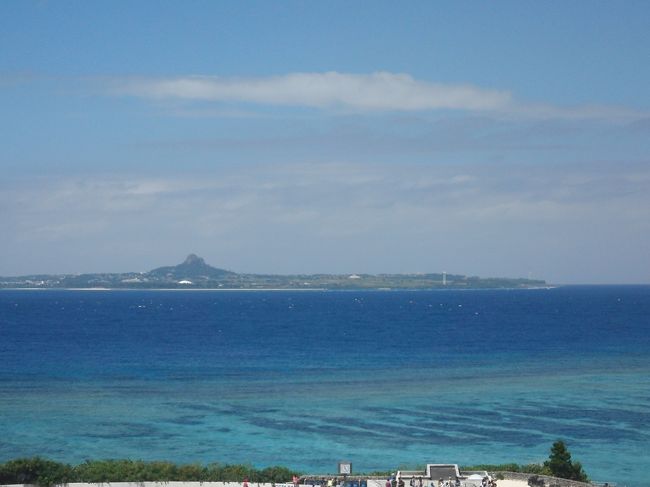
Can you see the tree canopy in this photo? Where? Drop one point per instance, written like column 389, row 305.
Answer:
column 560, row 464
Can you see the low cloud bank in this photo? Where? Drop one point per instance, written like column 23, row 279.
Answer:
column 484, row 220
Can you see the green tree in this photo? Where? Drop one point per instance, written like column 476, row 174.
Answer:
column 560, row 464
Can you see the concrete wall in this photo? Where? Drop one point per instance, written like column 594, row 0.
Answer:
column 548, row 481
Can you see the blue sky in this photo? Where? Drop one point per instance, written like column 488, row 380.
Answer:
column 483, row 138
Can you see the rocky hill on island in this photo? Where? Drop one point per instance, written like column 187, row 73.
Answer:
column 194, row 267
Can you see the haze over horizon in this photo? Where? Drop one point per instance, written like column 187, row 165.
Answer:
column 502, row 139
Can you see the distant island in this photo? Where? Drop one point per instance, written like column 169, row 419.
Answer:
column 194, row 273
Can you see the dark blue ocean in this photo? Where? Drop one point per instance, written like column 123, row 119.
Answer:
column 305, row 379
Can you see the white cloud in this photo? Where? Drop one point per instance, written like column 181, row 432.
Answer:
column 376, row 91
column 379, row 91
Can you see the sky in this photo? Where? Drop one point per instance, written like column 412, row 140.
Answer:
column 496, row 139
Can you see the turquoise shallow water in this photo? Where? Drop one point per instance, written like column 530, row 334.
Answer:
column 308, row 379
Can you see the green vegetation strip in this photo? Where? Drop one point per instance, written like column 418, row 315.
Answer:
column 44, row 472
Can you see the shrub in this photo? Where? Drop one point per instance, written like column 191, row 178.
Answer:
column 35, row 471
